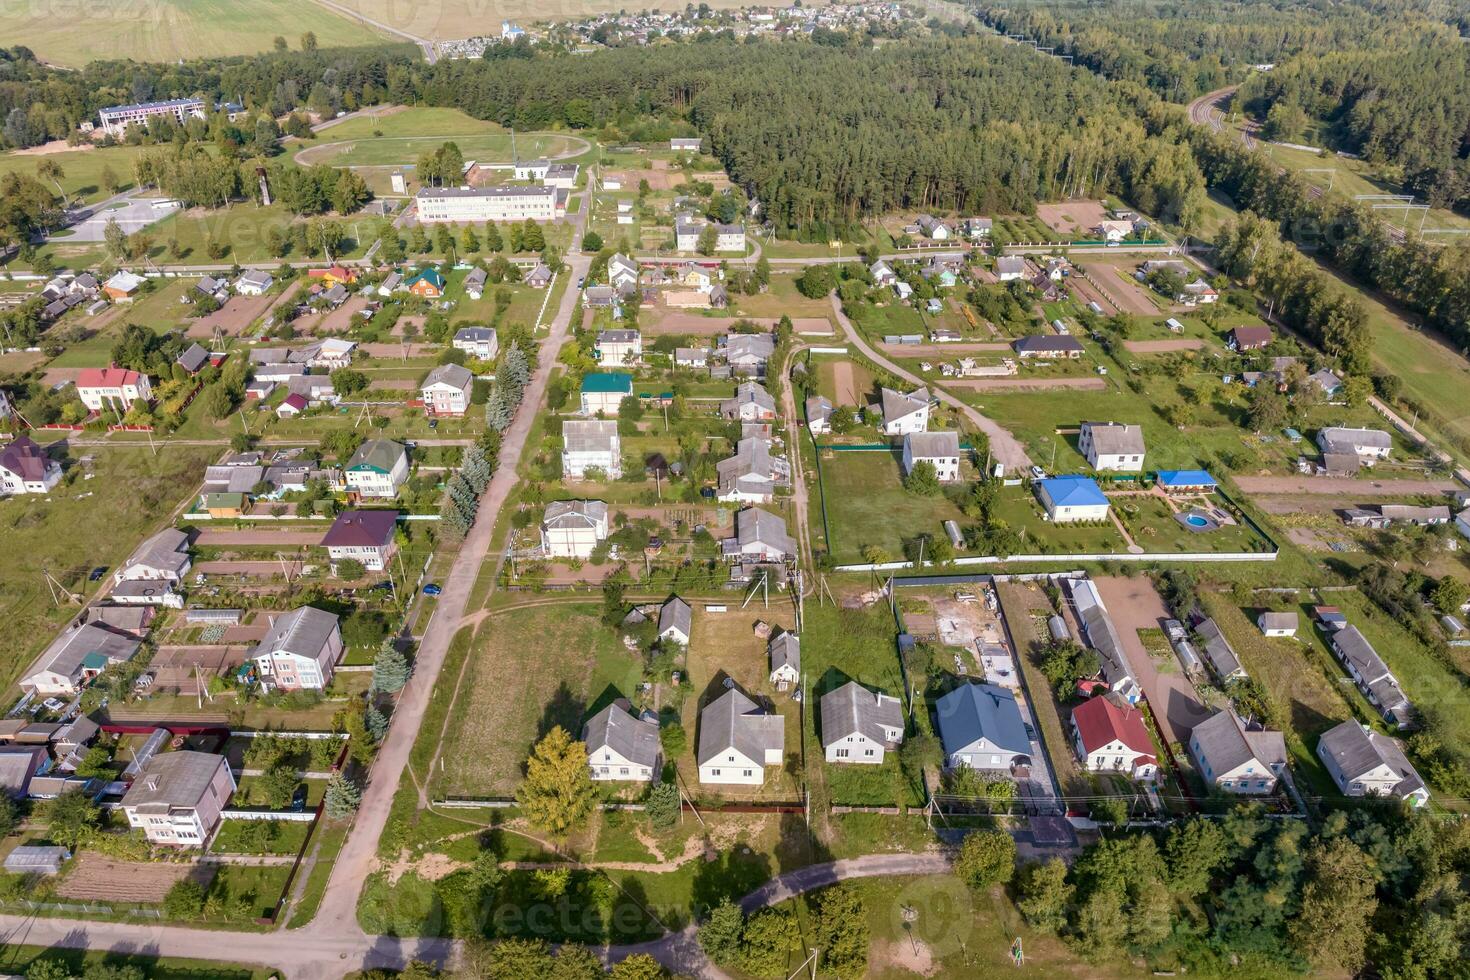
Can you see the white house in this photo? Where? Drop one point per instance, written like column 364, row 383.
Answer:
column 481, row 343
column 164, row 557
column 1112, row 446
column 751, row 403
column 752, row 475
column 931, row 227
column 254, row 282
column 675, row 621
column 1009, row 267
column 621, row 746
column 379, row 469
column 1369, row 445
column 604, row 393
column 447, row 390
column 573, row 528
column 1072, row 498
column 75, row 657
column 366, row 536
column 1277, row 624
column 819, row 415
column 113, row 387
column 759, row 536
column 300, row 650
column 26, row 468
column 1237, row 759
column 859, row 725
column 737, row 740
column 941, row 449
column 1365, row 763
column 784, row 651
column 592, row 444
column 980, row 726
column 905, row 413
column 882, row 273
column 1110, row 737
column 177, row 797
column 617, row 348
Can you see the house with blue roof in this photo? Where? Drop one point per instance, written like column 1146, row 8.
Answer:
column 1186, row 481
column 1069, row 499
column 605, row 392
column 980, row 726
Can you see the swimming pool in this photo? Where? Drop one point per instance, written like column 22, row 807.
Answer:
column 1196, row 520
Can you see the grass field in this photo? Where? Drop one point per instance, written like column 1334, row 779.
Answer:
column 464, row 18
column 170, row 30
column 16, row 959
column 867, row 505
column 81, row 169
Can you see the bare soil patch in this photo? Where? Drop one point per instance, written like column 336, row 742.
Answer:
column 1072, row 219
column 210, row 538
column 55, row 146
column 233, row 318
column 847, row 391
column 1162, row 346
column 1123, row 290
column 1345, row 489
column 669, row 321
column 941, row 350
column 103, row 879
column 1029, row 384
column 1085, row 292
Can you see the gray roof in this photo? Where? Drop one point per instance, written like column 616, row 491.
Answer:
column 194, row 358
column 1116, row 438
column 785, row 649
column 853, row 709
column 1103, row 637
column 1278, row 620
column 972, row 712
column 36, row 858
column 232, row 479
column 474, row 335
column 454, row 375
column 1047, row 344
column 1345, row 440
column 17, row 765
column 475, row 277
column 1353, row 647
column 380, row 454
column 752, row 459
column 173, row 779
column 1439, row 514
column 748, row 393
column 1218, row 651
column 818, row 408
column 749, row 346
column 574, row 513
column 505, row 190
column 128, row 618
column 675, row 614
column 167, row 550
column 753, row 525
column 633, row 738
column 1225, row 741
column 897, row 404
column 1357, row 751
column 734, row 721
column 65, row 654
column 933, row 445
column 304, row 632
column 590, row 436
column 618, row 336
column 1010, row 263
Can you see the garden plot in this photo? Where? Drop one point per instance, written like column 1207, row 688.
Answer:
column 1073, row 219
column 232, row 319
column 260, row 537
column 182, row 669
column 95, row 878
column 1116, row 280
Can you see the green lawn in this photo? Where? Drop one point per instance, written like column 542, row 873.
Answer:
column 489, row 144
column 16, row 959
column 171, row 30
column 867, row 505
column 81, row 169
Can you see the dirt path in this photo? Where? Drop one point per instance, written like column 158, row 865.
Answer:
column 1336, row 487
column 209, row 538
column 1124, row 294
column 1162, row 346
column 943, row 350
column 1030, row 384
column 844, row 386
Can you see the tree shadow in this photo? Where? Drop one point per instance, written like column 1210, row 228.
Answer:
column 609, row 695
column 564, row 709
column 798, row 845
column 732, row 873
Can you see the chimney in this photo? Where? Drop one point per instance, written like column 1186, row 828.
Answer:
column 153, row 783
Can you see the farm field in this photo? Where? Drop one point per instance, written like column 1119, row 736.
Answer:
column 169, row 30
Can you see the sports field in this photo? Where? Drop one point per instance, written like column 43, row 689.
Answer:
column 407, row 133
column 167, row 30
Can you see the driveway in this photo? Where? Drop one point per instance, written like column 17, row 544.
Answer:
column 1133, row 604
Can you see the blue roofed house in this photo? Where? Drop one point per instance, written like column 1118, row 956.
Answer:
column 605, row 392
column 1072, row 498
column 980, row 726
column 1186, row 481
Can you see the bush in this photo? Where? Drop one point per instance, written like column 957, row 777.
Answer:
column 185, row 900
column 663, row 806
column 987, row 857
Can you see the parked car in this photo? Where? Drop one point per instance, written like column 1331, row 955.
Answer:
column 432, row 589
column 97, row 573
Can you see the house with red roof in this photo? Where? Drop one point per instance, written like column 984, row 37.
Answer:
column 25, row 468
column 113, row 387
column 334, row 275
column 293, row 405
column 1113, row 738
column 363, row 535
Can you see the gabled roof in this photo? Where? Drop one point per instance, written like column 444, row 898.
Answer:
column 1073, row 491
column 1047, row 344
column 1345, row 440
column 1101, row 722
column 377, row 454
column 1186, row 478
column 475, row 335
column 854, row 710
column 734, row 721
column 1115, row 438
column 933, row 445
column 749, row 346
column 168, row 550
column 454, row 375
column 574, row 514
column 25, row 459
column 617, row 728
column 1224, row 740
column 589, row 436
column 784, row 650
column 67, row 652
column 756, row 526
column 972, row 712
column 897, row 404
column 430, row 275
column 1251, row 336
column 194, row 358
column 304, row 632
column 749, row 393
column 676, row 614
column 608, row 384
column 818, row 409
column 1278, row 620
column 173, row 779
column 1357, row 751
column 108, row 377
column 362, row 529
column 1218, row 650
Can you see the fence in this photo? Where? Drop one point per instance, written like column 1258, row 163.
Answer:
column 82, row 908
column 276, row 816
column 1187, row 556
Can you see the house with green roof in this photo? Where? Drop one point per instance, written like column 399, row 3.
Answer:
column 428, row 283
column 224, row 504
column 378, row 469
column 605, row 392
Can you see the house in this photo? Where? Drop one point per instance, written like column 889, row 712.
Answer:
column 1219, row 653
column 481, row 343
column 859, row 725
column 748, row 353
column 573, row 528
column 378, row 468
column 978, row 227
column 882, row 273
column 130, row 620
column 932, row 227
column 163, row 557
column 941, row 449
column 1112, row 737
column 300, row 650
column 335, row 296
column 980, row 727
column 737, row 740
column 604, row 393
column 26, row 468
column 818, row 415
column 1462, row 523
column 752, row 475
column 729, row 238
column 193, row 359
column 426, row 283
column 19, row 764
column 1369, row 445
column 1277, row 623
column 1330, row 383
column 675, row 620
column 1372, row 675
column 759, row 536
column 1102, row 636
column 1365, row 763
column 317, row 389
column 474, row 283
column 1248, row 338
column 1113, row 231
column 226, row 505
column 391, row 283
column 904, row 413
column 75, row 657
column 337, row 275
column 113, row 387
column 751, row 403
column 1329, row 618
column 617, row 348
column 1009, row 267
column 178, row 796
column 622, row 271
column 1112, row 446
column 686, row 234
column 684, row 144
column 1072, row 498
column 447, row 390
column 1174, row 482
column 292, row 406
column 1048, row 346
column 539, row 277
column 254, row 282
column 122, row 287
column 366, row 536
column 622, row 746
column 691, row 357
column 591, row 445
column 1234, row 758
column 902, row 290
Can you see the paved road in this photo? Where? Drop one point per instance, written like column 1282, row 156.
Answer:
column 1004, row 447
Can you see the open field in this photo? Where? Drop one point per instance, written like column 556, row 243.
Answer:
column 170, row 30
column 81, row 168
column 1071, row 218
column 403, row 151
column 867, row 505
